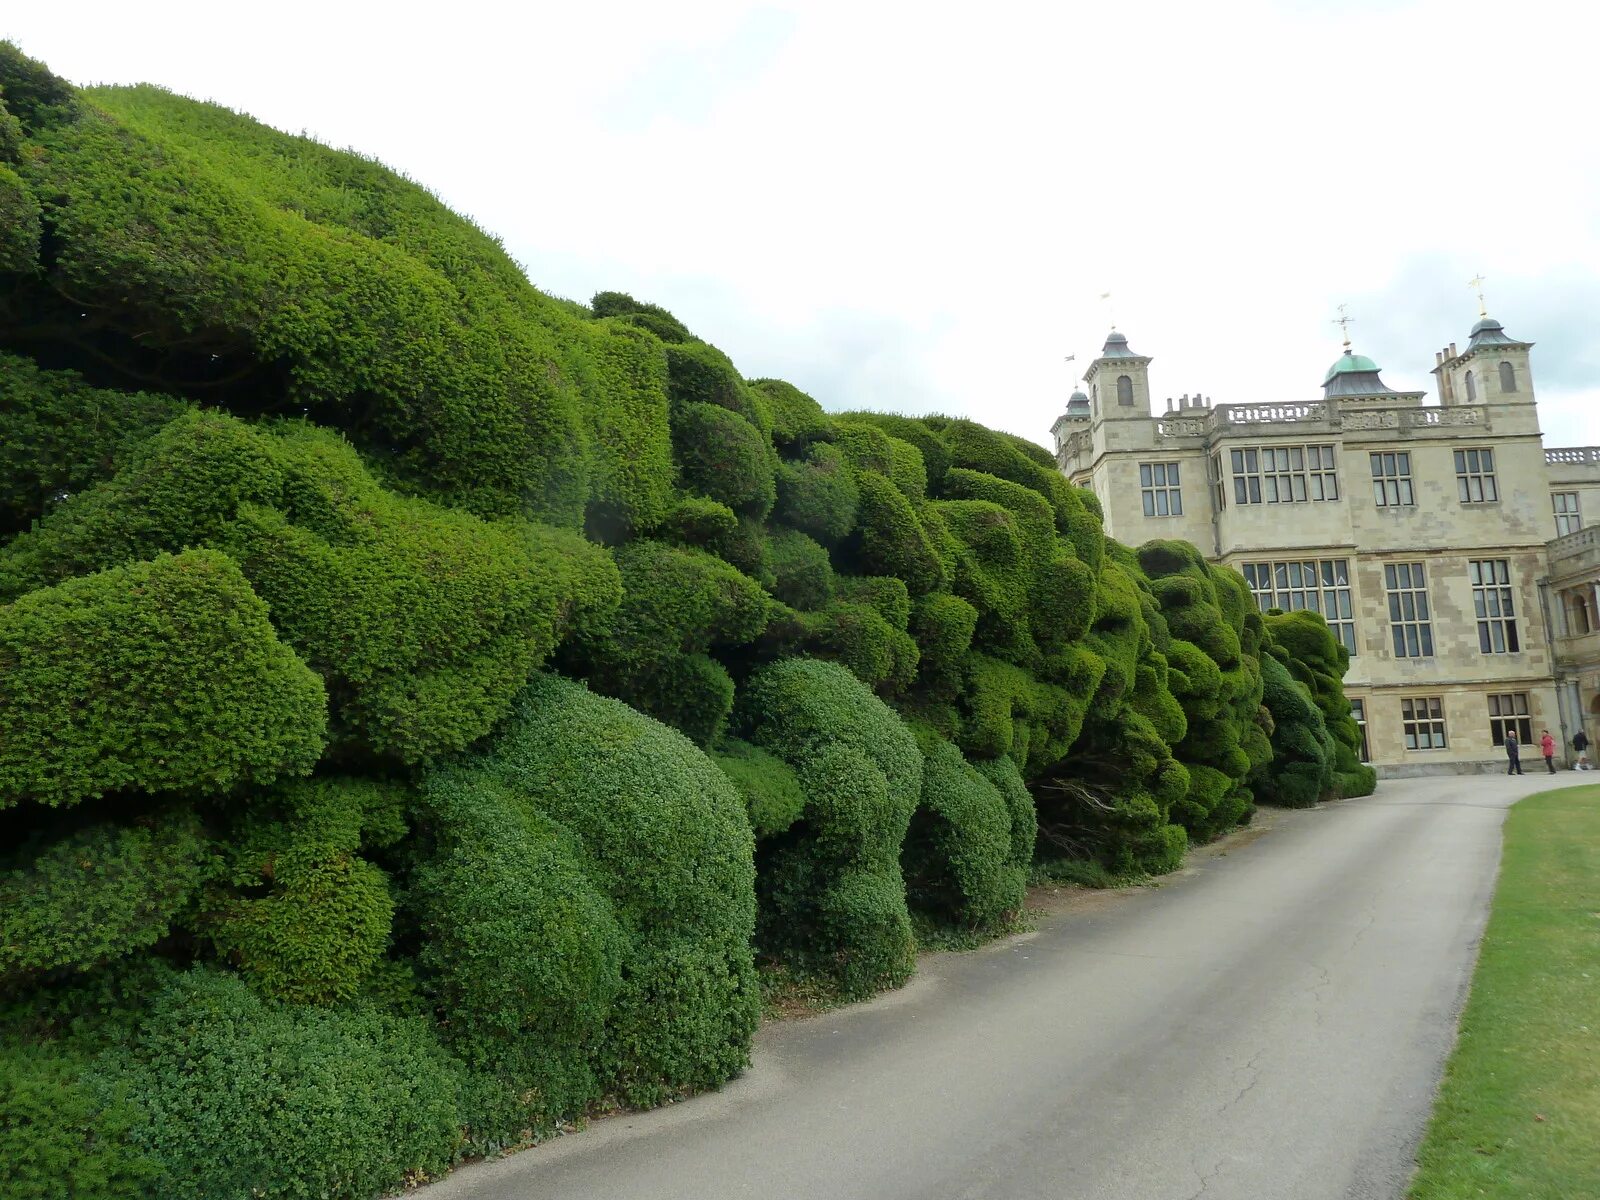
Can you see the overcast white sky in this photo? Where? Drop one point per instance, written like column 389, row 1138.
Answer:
column 917, row 206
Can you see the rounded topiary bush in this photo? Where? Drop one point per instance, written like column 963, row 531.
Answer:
column 819, row 494
column 241, row 1096
column 772, row 795
column 163, row 676
column 1301, row 770
column 522, row 952
column 1004, row 776
column 702, row 374
column 858, row 636
column 958, row 856
column 890, row 540
column 804, row 574
column 424, row 620
column 662, row 836
column 723, row 456
column 677, row 605
column 391, row 318
column 319, row 931
column 797, row 419
column 299, row 911
column 1319, row 661
column 943, row 626
column 833, row 898
column 58, row 435
column 649, row 316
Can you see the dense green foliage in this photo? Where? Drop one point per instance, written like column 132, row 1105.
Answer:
column 61, row 1136
column 241, row 1096
column 833, row 899
column 630, row 850
column 1318, row 661
column 102, row 891
column 161, row 676
column 961, row 858
column 316, row 876
column 58, row 435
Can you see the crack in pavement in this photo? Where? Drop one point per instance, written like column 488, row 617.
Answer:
column 1205, row 1180
column 1255, row 1078
column 1316, row 991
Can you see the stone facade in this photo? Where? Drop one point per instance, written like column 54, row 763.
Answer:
column 1422, row 529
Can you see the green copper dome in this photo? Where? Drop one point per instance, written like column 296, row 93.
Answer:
column 1349, row 363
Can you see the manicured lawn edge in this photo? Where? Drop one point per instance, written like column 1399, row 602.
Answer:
column 1518, row 1113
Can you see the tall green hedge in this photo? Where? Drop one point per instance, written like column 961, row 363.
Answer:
column 424, row 621
column 1318, row 660
column 312, row 880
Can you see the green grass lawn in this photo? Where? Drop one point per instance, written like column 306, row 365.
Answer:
column 1518, row 1116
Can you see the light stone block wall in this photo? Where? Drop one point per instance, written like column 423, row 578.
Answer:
column 1438, row 519
column 1123, row 500
column 1583, row 478
column 1470, row 743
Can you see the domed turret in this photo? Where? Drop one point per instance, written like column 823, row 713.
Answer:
column 1354, row 375
column 1119, row 382
column 1078, row 405
column 1489, row 332
column 1117, row 346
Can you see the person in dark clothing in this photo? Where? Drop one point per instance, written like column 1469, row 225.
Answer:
column 1580, row 743
column 1547, row 747
column 1513, row 754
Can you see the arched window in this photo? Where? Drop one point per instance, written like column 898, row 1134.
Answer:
column 1508, row 377
column 1579, row 621
column 1124, row 391
column 1472, row 388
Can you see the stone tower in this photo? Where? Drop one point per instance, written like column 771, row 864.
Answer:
column 1493, row 369
column 1119, row 382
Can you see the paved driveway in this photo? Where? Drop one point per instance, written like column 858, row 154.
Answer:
column 1269, row 1024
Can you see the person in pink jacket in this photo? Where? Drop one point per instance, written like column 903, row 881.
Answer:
column 1547, row 747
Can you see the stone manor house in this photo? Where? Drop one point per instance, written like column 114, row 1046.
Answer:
column 1445, row 545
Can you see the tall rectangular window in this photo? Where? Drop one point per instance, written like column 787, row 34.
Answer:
column 1358, row 710
column 1219, row 481
column 1321, row 585
column 1492, row 602
column 1158, row 484
column 1410, row 622
column 1475, row 477
column 1422, row 722
column 1391, row 478
column 1568, row 518
column 1509, row 712
column 1283, row 474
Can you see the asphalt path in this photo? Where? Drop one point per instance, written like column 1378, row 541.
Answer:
column 1268, row 1024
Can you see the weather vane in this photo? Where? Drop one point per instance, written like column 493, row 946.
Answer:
column 1344, row 321
column 1476, row 283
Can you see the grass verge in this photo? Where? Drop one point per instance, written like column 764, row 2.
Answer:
column 1518, row 1115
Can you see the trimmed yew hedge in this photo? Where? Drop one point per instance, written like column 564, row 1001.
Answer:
column 314, row 878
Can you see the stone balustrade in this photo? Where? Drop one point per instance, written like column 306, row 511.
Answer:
column 1251, row 414
column 1572, row 545
column 1573, row 454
